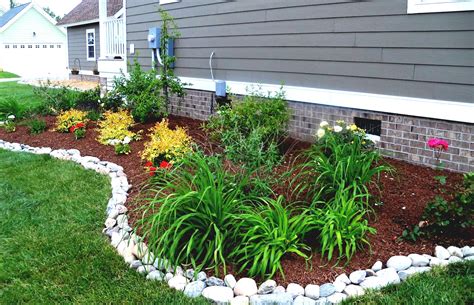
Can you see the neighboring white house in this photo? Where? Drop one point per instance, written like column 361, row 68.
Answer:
column 31, row 45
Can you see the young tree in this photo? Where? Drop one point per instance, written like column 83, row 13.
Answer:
column 170, row 83
column 12, row 3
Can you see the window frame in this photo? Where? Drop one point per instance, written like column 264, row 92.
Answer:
column 437, row 6
column 89, row 31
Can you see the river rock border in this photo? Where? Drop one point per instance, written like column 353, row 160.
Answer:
column 228, row 290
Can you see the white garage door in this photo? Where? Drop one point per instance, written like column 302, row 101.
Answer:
column 35, row 60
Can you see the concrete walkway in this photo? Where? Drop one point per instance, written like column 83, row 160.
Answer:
column 5, row 80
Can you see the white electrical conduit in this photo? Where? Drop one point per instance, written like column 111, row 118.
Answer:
column 210, row 65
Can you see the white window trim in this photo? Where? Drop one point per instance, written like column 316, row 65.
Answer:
column 434, row 6
column 87, row 45
column 168, row 1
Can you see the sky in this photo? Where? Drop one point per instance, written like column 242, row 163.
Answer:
column 59, row 7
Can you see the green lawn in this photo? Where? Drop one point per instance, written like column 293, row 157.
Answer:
column 451, row 285
column 4, row 74
column 22, row 93
column 51, row 246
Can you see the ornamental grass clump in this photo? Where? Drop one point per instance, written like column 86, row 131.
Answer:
column 190, row 216
column 115, row 130
column 166, row 144
column 267, row 231
column 70, row 118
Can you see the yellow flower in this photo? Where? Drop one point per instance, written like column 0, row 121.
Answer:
column 67, row 119
column 354, row 127
column 115, row 126
column 166, row 143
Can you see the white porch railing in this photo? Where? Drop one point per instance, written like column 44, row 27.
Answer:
column 115, row 38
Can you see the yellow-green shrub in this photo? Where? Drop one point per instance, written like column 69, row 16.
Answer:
column 67, row 119
column 115, row 126
column 166, row 144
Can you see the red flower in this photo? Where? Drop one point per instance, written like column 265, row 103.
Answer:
column 80, row 125
column 165, row 165
column 72, row 129
column 152, row 171
column 435, row 143
column 149, row 164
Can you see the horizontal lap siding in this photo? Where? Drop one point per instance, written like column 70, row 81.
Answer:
column 77, row 47
column 364, row 46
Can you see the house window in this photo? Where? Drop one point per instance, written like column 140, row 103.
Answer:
column 15, row 46
column 433, row 6
column 51, row 46
column 30, row 46
column 7, row 46
column 45, row 46
column 37, row 46
column 168, row 1
column 58, row 46
column 22, row 46
column 90, row 41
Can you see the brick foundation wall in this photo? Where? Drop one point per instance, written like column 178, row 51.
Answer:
column 402, row 137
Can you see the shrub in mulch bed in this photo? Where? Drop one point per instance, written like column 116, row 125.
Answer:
column 399, row 200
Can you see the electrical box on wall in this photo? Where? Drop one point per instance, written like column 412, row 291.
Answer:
column 154, row 41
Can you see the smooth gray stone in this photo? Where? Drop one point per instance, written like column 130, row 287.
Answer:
column 326, row 290
column 194, row 289
column 283, row 298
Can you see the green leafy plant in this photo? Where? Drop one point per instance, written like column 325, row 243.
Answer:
column 250, row 129
column 445, row 216
column 9, row 124
column 266, row 232
column 190, row 218
column 122, row 148
column 36, row 126
column 341, row 158
column 11, row 106
column 342, row 224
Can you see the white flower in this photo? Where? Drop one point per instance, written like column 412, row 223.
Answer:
column 126, row 140
column 11, row 117
column 2, row 123
column 323, row 124
column 337, row 128
column 113, row 142
column 321, row 132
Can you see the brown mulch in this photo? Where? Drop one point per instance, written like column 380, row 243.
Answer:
column 403, row 197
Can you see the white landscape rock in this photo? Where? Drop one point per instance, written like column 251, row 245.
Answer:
column 218, row 294
column 405, row 274
column 155, row 276
column 245, row 287
column 442, row 253
column 467, row 251
column 357, row 277
column 455, row 251
column 194, row 289
column 230, row 281
column 178, row 282
column 454, row 259
column 374, row 282
column 339, row 285
column 326, row 290
column 419, row 260
column 353, row 290
column 279, row 289
column 295, row 290
column 240, row 300
column 377, row 266
column 390, row 275
column 399, row 262
column 438, row 262
column 312, row 291
column 301, row 300
column 267, row 287
column 284, row 298
column 336, row 298
column 343, row 278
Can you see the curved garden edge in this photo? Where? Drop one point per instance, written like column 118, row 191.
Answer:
column 244, row 291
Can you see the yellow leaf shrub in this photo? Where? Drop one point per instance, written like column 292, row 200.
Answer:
column 67, row 119
column 115, row 126
column 166, row 144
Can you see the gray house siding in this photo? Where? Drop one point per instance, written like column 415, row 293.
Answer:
column 363, row 46
column 77, row 47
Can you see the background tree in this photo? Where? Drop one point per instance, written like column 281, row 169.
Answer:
column 52, row 14
column 12, row 3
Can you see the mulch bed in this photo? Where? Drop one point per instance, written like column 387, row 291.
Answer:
column 404, row 196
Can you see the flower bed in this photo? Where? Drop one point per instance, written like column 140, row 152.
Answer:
column 244, row 291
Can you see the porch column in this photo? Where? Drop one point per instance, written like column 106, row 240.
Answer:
column 103, row 32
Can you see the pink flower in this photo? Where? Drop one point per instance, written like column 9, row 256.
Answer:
column 436, row 143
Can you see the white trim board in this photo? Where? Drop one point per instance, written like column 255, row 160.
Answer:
column 428, row 108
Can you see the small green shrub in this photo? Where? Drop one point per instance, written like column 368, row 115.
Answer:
column 191, row 216
column 36, row 126
column 94, row 115
column 444, row 216
column 342, row 225
column 87, row 100
column 11, row 106
column 266, row 232
column 341, row 158
column 250, row 129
